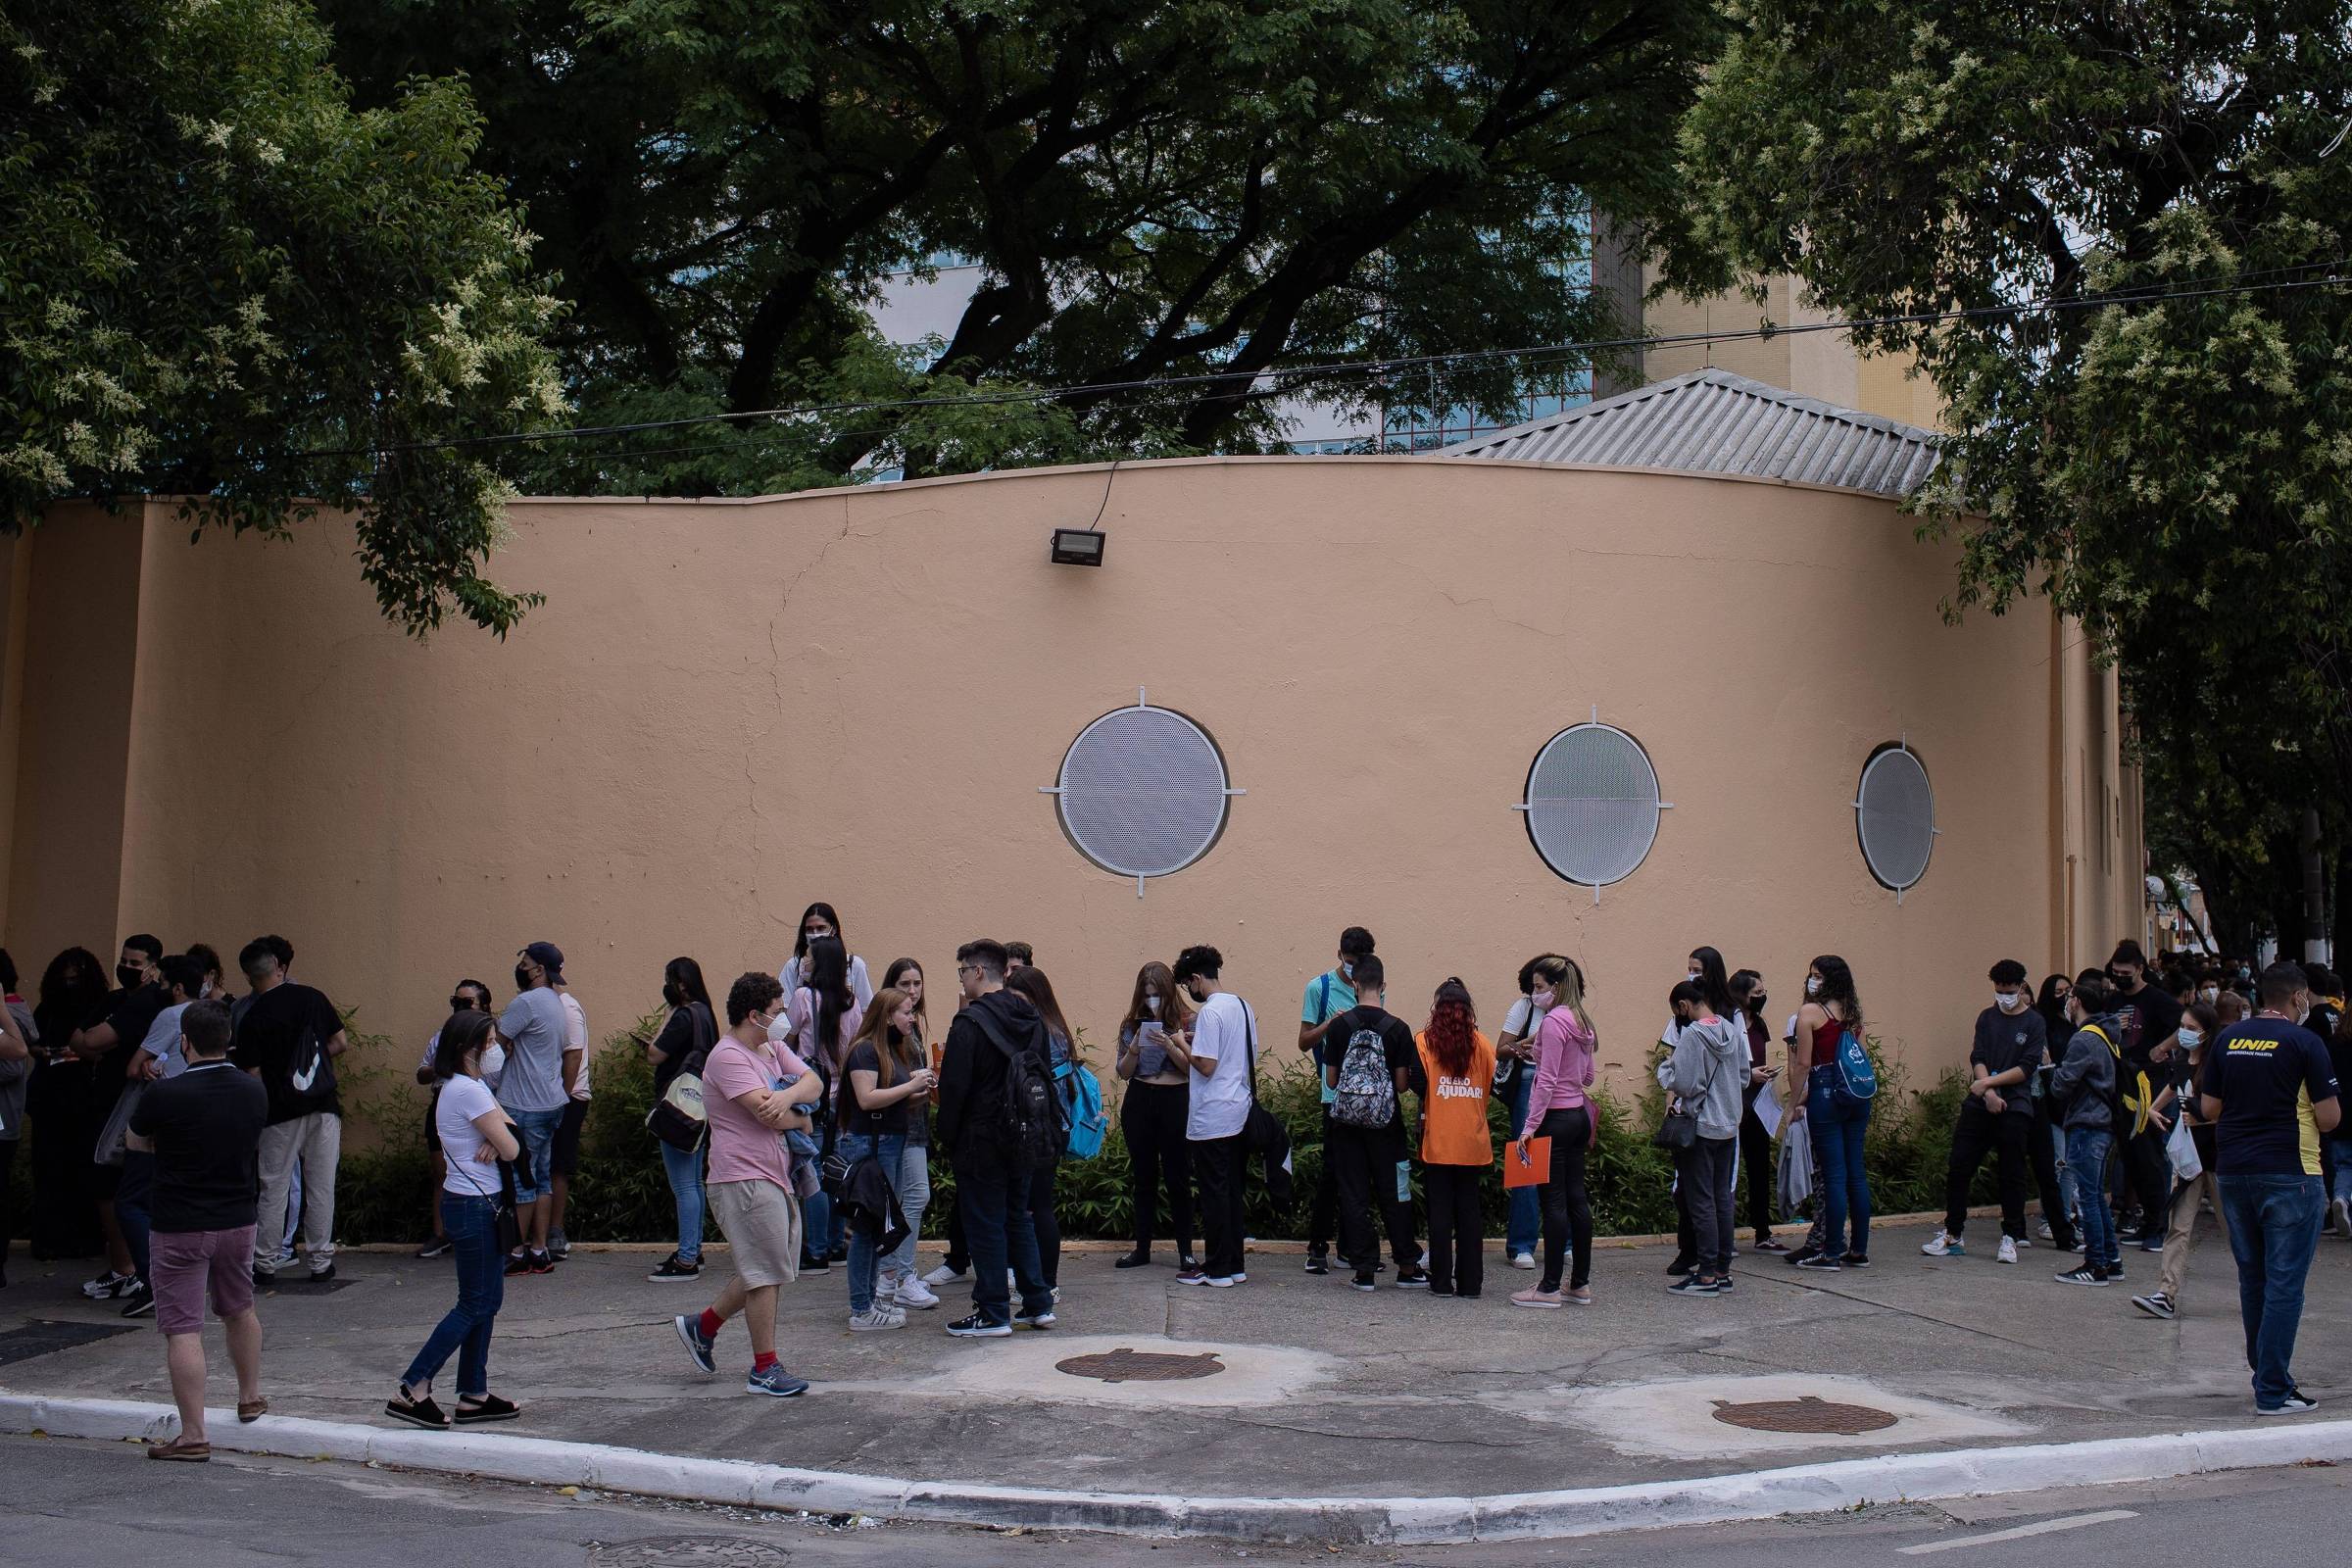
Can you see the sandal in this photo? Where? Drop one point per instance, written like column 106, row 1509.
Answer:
column 489, row 1407
column 181, row 1448
column 418, row 1412
column 251, row 1410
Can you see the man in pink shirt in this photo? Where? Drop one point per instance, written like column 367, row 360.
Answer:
column 753, row 1093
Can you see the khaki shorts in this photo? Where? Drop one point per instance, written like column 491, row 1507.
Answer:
column 761, row 1223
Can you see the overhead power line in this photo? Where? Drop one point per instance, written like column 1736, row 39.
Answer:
column 2267, row 280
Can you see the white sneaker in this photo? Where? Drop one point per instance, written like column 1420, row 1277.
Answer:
column 875, row 1318
column 2008, row 1251
column 943, row 1275
column 2342, row 1213
column 1523, row 1260
column 1945, row 1244
column 913, row 1293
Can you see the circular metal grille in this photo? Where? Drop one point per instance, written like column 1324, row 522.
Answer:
column 1895, row 812
column 1807, row 1414
column 1593, row 804
column 1143, row 792
column 1123, row 1365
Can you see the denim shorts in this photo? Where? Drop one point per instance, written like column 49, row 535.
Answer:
column 535, row 1130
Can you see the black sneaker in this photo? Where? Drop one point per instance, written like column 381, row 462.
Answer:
column 2156, row 1303
column 517, row 1263
column 1317, row 1263
column 1133, row 1260
column 1765, row 1244
column 138, row 1302
column 2115, row 1270
column 1363, row 1280
column 1801, row 1256
column 1821, row 1262
column 1691, row 1284
column 540, row 1263
column 1435, row 1289
column 813, row 1264
column 979, row 1327
column 264, row 1279
column 417, row 1413
column 1413, row 1279
column 674, row 1267
column 839, row 1254
column 1722, row 1286
column 1855, row 1260
column 322, row 1274
column 2295, row 1403
column 1682, row 1265
column 438, row 1247
column 2085, row 1275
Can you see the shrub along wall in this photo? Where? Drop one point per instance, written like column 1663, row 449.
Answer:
column 621, row 1195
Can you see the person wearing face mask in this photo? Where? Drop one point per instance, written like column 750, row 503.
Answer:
column 2199, row 1030
column 2084, row 1091
column 2150, row 1015
column 1755, row 1142
column 542, row 1069
column 1153, row 1112
column 1707, row 971
column 686, row 1037
column 1997, row 1114
column 1515, row 1081
column 1328, row 995
column 1559, row 1108
column 1837, row 1121
column 819, row 920
column 108, row 1043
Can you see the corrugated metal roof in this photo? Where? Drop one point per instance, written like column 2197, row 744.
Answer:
column 1712, row 422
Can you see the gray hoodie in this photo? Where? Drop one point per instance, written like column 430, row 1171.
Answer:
column 1710, row 1055
column 2085, row 1082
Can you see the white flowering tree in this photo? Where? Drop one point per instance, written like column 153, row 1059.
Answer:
column 221, row 281
column 2175, row 470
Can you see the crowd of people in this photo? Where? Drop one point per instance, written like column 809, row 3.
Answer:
column 193, row 1134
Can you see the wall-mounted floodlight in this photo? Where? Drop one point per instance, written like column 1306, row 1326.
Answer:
column 1078, row 547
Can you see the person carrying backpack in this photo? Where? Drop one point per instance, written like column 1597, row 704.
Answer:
column 1838, row 1083
column 1000, row 1123
column 1368, row 1060
column 2085, row 1088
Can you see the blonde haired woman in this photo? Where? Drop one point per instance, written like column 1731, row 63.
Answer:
column 885, row 1113
column 1560, row 1108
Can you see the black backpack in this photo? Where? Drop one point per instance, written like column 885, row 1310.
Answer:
column 1028, row 1132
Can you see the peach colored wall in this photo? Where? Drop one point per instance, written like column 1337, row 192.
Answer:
column 728, row 708
column 72, row 675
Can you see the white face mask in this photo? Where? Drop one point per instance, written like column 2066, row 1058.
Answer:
column 2192, row 1038
column 1812, row 985
column 1152, row 1005
column 1348, row 971
column 1542, row 999
column 1697, row 977
column 204, row 991
column 2209, row 995
column 2008, row 1000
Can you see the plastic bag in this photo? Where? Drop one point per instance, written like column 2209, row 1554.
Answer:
column 1797, row 1166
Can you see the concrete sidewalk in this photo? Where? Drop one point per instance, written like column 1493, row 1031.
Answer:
column 1315, row 1391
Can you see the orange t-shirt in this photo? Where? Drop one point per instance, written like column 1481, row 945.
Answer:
column 1453, row 1113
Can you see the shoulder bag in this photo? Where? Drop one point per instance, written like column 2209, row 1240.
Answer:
column 1678, row 1129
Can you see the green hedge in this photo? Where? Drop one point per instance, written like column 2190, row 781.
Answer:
column 620, row 1194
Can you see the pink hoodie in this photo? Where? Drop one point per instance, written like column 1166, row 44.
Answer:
column 1563, row 1067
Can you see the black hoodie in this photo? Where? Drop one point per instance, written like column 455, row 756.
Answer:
column 971, row 1069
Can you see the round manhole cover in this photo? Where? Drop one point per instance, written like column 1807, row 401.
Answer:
column 689, row 1551
column 1808, row 1414
column 1141, row 1366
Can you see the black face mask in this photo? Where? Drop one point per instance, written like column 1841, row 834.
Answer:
column 1755, row 1005
column 523, row 978
column 130, row 976
column 673, row 996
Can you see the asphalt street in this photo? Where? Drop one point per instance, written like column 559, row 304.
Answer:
column 80, row 1503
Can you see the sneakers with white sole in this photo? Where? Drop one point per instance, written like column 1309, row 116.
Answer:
column 943, row 1275
column 2008, row 1251
column 1943, row 1244
column 913, row 1293
column 876, row 1318
column 1523, row 1260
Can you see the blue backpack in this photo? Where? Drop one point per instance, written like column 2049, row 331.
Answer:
column 1856, row 1074
column 1081, row 1096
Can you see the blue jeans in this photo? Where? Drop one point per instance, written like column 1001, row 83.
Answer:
column 2343, row 1168
column 684, row 1168
column 2274, row 1229
column 1523, row 1224
column 865, row 1251
column 817, row 1212
column 535, row 1130
column 473, row 1227
column 132, row 1206
column 995, row 1204
column 1840, row 1124
column 2086, row 1160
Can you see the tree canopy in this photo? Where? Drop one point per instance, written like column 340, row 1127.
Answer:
column 1148, row 188
column 2171, row 470
column 223, row 282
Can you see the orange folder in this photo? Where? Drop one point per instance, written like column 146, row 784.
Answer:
column 1532, row 1171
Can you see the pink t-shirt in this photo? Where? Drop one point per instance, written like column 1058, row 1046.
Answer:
column 743, row 1147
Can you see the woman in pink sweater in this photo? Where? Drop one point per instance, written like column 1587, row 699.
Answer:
column 1558, row 1108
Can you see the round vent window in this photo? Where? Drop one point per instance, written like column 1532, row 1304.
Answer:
column 1592, row 804
column 1143, row 792
column 1895, row 815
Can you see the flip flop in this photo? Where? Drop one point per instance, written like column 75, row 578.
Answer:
column 249, row 1413
column 181, row 1448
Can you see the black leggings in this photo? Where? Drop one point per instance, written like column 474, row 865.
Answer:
column 1152, row 1119
column 1755, row 1161
column 1567, row 1209
column 1456, row 1228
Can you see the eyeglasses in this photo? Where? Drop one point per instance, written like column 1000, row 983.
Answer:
column 963, row 969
